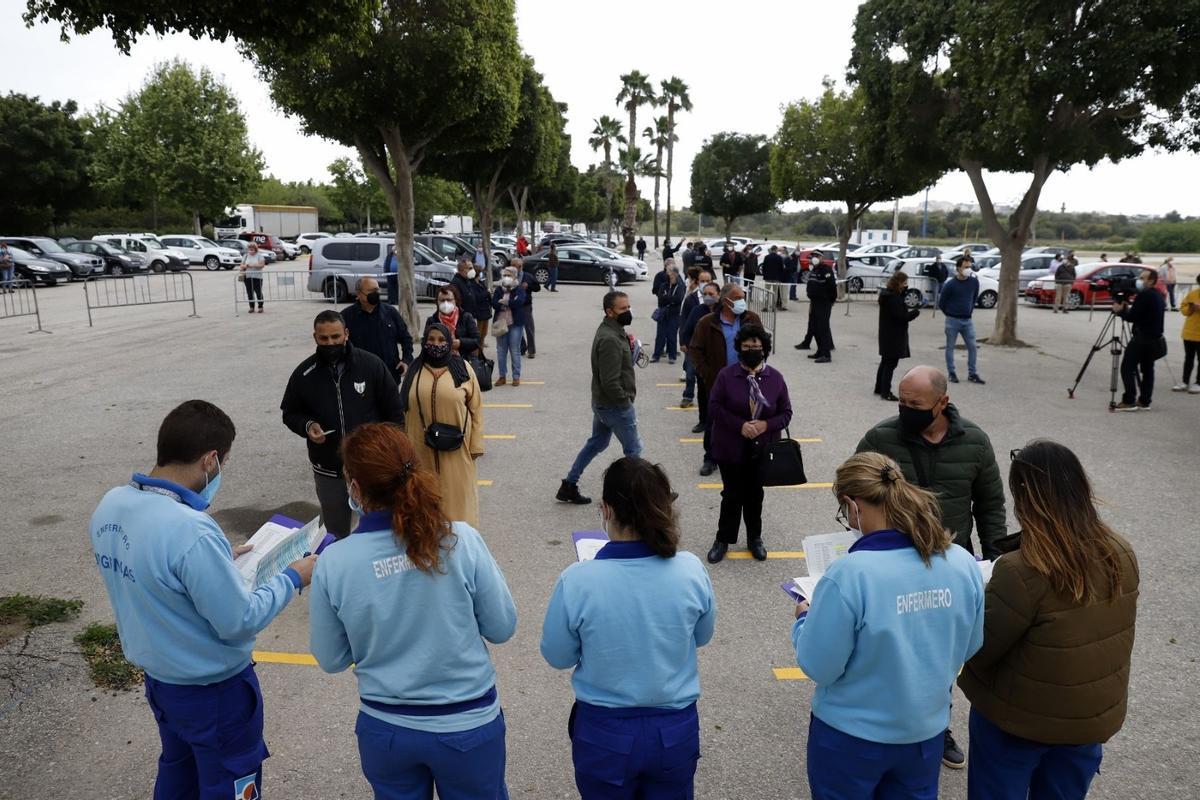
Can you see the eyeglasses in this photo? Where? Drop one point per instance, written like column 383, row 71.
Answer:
column 841, row 517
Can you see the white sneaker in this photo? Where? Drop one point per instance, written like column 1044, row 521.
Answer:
column 1194, row 388
column 1179, row 387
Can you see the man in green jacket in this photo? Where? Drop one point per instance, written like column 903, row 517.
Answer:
column 951, row 457
column 613, row 391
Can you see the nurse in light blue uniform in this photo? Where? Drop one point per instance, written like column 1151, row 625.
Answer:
column 184, row 615
column 409, row 599
column 629, row 623
column 890, row 626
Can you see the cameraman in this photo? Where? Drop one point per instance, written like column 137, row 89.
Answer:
column 1146, row 345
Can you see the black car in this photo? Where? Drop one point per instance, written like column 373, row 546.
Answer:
column 81, row 265
column 38, row 269
column 560, row 239
column 116, row 261
column 580, row 265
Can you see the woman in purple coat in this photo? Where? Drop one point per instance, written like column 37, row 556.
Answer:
column 748, row 408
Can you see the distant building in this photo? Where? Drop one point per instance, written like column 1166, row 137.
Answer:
column 878, row 236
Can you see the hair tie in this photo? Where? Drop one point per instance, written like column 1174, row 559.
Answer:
column 887, row 474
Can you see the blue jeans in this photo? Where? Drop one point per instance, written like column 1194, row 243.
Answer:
column 607, row 421
column 510, row 344
column 553, row 282
column 634, row 753
column 6, row 276
column 794, row 280
column 406, row 764
column 954, row 327
column 1007, row 767
column 212, row 742
column 845, row 767
column 689, row 384
column 666, row 336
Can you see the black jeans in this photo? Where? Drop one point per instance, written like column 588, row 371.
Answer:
column 741, row 499
column 819, row 314
column 528, row 347
column 1137, row 371
column 335, row 509
column 1191, row 351
column 702, row 403
column 883, row 376
column 254, row 287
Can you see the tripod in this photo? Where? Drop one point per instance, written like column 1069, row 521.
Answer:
column 1115, row 336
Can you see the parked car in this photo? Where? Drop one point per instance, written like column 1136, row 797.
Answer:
column 920, row 274
column 739, row 243
column 1048, row 249
column 1032, row 266
column 116, row 261
column 867, row 272
column 243, row 247
column 81, row 266
column 580, row 264
column 202, row 250
column 160, row 257
column 336, row 265
column 450, row 247
column 267, row 241
column 304, row 241
column 922, row 251
column 877, row 249
column 606, row 253
column 760, row 248
column 561, row 239
column 985, row 262
column 1091, row 287
column 37, row 269
column 974, row 248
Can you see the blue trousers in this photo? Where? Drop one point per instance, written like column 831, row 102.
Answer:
column 553, row 282
column 954, row 327
column 212, row 742
column 634, row 753
column 406, row 764
column 510, row 345
column 6, row 276
column 1007, row 767
column 844, row 767
column 666, row 336
column 606, row 422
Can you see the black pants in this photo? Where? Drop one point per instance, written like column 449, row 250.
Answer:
column 818, row 316
column 741, row 498
column 1137, row 371
column 702, row 401
column 254, row 287
column 1191, row 351
column 883, row 376
column 527, row 344
column 335, row 509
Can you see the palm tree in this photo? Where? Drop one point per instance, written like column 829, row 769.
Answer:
column 604, row 135
column 636, row 91
column 675, row 98
column 659, row 137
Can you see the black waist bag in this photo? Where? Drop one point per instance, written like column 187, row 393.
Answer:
column 443, row 437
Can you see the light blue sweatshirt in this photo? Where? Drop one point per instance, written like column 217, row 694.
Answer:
column 414, row 637
column 183, row 613
column 629, row 622
column 887, row 635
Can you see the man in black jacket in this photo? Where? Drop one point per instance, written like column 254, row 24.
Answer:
column 530, row 284
column 474, row 294
column 822, row 294
column 773, row 275
column 731, row 263
column 1146, row 344
column 668, row 251
column 378, row 328
column 332, row 392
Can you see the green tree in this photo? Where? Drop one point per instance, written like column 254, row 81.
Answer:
column 433, row 195
column 1028, row 87
column 434, row 76
column 675, row 98
column 833, row 150
column 357, row 194
column 636, row 91
column 605, row 134
column 660, row 138
column 44, row 159
column 731, row 177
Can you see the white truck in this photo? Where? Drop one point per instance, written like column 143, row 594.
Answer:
column 286, row 222
column 447, row 223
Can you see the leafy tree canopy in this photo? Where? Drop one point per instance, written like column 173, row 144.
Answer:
column 731, row 177
column 44, row 155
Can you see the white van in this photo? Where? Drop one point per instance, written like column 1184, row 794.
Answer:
column 335, row 266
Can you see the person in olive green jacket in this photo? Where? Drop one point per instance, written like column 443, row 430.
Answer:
column 1051, row 683
column 614, row 389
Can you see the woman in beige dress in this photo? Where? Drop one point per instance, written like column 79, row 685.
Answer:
column 442, row 402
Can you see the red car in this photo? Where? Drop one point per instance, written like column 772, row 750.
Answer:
column 266, row 241
column 1091, row 284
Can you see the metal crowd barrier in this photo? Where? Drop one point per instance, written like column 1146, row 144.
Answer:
column 19, row 299
column 139, row 290
column 280, row 286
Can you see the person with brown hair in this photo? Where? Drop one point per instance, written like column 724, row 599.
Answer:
column 890, row 625
column 894, row 317
column 638, row 611
column 1051, row 683
column 409, row 599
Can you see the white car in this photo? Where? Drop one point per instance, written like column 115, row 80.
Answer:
column 291, row 250
column 761, row 249
column 919, row 276
column 876, row 249
column 1033, row 266
column 304, row 241
column 202, row 250
column 974, row 248
column 147, row 243
column 717, row 246
column 613, row 255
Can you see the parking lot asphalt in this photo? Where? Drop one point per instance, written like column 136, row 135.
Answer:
column 82, row 406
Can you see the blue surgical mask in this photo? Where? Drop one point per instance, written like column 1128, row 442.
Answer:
column 210, row 486
column 354, row 506
column 1141, row 284
column 739, row 307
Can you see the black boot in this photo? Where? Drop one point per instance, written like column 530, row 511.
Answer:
column 717, row 553
column 569, row 493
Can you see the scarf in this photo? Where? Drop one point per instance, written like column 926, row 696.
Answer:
column 758, row 402
column 451, row 321
column 457, row 366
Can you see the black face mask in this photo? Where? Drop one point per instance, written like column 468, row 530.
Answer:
column 624, row 318
column 373, row 298
column 915, row 420
column 330, row 354
column 751, row 358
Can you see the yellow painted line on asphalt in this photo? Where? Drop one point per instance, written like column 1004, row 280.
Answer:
column 269, row 657
column 789, row 674
column 794, row 486
column 499, row 436
column 675, row 385
column 508, row 405
column 483, row 483
column 679, row 408
column 700, row 439
column 743, row 554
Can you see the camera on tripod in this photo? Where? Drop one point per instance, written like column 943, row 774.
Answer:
column 1122, row 287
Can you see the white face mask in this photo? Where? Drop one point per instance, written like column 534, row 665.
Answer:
column 857, row 531
column 507, row 281
column 446, row 306
column 471, row 274
column 603, row 520
column 739, row 307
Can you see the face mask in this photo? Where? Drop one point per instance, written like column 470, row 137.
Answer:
column 507, row 281
column 1140, row 284
column 471, row 274
column 739, row 307
column 210, row 486
column 709, row 300
column 857, row 531
column 915, row 420
column 330, row 354
column 373, row 298
column 625, row 317
column 354, row 505
column 437, row 353
column 751, row 358
column 446, row 307
column 603, row 521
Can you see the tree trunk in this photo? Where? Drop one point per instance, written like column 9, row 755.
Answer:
column 630, row 221
column 398, row 191
column 154, row 211
column 196, row 223
column 657, row 180
column 728, row 226
column 670, row 165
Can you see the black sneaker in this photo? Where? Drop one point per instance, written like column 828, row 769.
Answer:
column 757, row 549
column 716, row 553
column 707, row 468
column 953, row 378
column 976, row 379
column 802, row 346
column 569, row 493
column 822, row 360
column 698, row 427
column 952, row 755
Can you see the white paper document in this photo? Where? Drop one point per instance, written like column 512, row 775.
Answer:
column 276, row 546
column 588, row 543
column 823, row 549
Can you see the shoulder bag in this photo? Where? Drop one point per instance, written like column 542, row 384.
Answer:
column 780, row 463
column 440, row 436
column 483, row 367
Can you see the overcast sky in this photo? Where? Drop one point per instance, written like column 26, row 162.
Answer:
column 735, row 86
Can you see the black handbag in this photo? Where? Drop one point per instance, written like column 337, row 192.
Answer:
column 483, row 367
column 440, row 436
column 780, row 463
